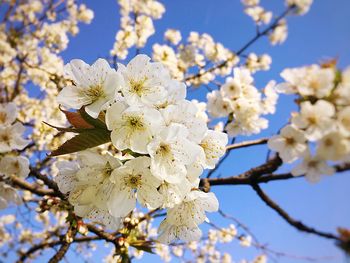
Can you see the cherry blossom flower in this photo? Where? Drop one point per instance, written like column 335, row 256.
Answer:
column 11, row 138
column 7, row 195
column 313, row 167
column 290, row 143
column 8, row 113
column 214, row 146
column 88, row 185
column 133, row 127
column 18, row 166
column 134, row 180
column 144, row 82
column 170, row 152
column 182, row 220
column 315, row 119
column 93, row 86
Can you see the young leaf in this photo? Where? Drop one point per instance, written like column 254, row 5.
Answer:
column 146, row 246
column 76, row 120
column 98, row 123
column 65, row 129
column 89, row 138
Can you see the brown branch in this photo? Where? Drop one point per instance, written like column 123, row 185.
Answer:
column 246, row 144
column 18, row 182
column 261, row 176
column 64, row 247
column 102, row 234
column 48, row 182
column 47, row 244
column 18, row 81
column 295, row 223
column 246, row 46
column 248, row 177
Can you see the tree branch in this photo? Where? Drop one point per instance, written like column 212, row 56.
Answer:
column 246, row 46
column 18, row 182
column 295, row 223
column 47, row 244
column 261, row 175
column 50, row 183
column 64, row 248
column 246, row 144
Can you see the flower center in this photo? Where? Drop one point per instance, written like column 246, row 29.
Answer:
column 3, row 117
column 346, row 123
column 312, row 164
column 290, row 141
column 163, row 149
column 135, row 122
column 328, row 142
column 137, row 86
column 312, row 120
column 314, row 85
column 5, row 138
column 134, row 181
column 95, row 93
column 107, row 171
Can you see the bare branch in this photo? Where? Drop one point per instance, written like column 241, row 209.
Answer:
column 260, row 174
column 246, row 46
column 64, row 248
column 295, row 223
column 50, row 183
column 18, row 182
column 246, row 144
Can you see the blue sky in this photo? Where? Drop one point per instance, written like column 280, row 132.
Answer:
column 323, row 33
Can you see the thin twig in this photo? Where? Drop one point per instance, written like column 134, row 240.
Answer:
column 246, row 144
column 63, row 249
column 246, row 46
column 293, row 222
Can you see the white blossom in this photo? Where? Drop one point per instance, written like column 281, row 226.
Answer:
column 315, row 119
column 303, row 6
column 18, row 166
column 134, row 180
column 290, row 143
column 7, row 195
column 313, row 167
column 182, row 220
column 11, row 138
column 308, row 81
column 217, row 105
column 93, row 86
column 170, row 152
column 89, row 186
column 214, row 146
column 144, row 81
column 334, row 146
column 343, row 120
column 133, row 127
column 8, row 113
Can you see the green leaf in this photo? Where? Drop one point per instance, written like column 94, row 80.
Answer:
column 89, row 138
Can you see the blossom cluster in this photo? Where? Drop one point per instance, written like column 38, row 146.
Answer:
column 257, row 12
column 32, row 34
column 136, row 24
column 319, row 133
column 148, row 116
column 11, row 139
column 242, row 103
column 197, row 50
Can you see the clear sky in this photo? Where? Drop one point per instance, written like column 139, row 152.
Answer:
column 322, row 33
